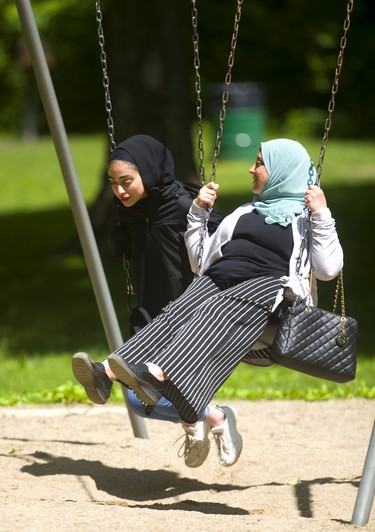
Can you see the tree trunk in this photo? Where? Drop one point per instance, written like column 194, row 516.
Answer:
column 149, row 72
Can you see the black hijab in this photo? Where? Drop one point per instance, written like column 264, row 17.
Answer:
column 153, row 160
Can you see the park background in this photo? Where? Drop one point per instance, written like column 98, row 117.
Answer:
column 286, row 52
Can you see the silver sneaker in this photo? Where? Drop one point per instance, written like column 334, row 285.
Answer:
column 92, row 376
column 227, row 438
column 196, row 446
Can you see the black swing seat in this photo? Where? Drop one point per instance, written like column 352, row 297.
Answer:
column 259, row 353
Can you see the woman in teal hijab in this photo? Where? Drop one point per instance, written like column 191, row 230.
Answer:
column 290, row 172
column 193, row 346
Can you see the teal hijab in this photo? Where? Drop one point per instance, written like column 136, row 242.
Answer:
column 290, row 171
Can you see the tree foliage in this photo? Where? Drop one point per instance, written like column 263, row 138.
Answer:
column 288, row 46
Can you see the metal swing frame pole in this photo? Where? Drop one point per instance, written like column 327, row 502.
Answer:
column 79, row 209
column 366, row 492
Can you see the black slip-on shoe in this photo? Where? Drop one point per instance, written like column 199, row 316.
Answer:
column 92, row 376
column 138, row 378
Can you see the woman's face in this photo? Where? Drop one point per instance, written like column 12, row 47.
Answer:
column 260, row 174
column 126, row 182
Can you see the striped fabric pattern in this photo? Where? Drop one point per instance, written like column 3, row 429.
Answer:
column 199, row 339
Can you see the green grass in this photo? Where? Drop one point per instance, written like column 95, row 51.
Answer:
column 47, row 307
column 48, row 379
column 31, row 178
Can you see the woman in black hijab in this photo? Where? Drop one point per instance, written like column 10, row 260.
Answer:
column 152, row 209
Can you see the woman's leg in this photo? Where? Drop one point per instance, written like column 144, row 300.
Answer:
column 206, row 349
column 97, row 377
column 160, row 332
column 163, row 410
column 220, row 422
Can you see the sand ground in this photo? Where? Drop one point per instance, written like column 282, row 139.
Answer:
column 80, row 468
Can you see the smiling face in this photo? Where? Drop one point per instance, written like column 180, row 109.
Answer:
column 260, row 174
column 126, row 182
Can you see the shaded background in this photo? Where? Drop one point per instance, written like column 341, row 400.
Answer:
column 286, row 49
column 289, row 48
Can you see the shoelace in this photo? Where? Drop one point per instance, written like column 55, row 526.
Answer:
column 220, row 442
column 186, row 445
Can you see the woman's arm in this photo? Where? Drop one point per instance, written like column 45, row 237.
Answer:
column 197, row 218
column 327, row 254
column 326, row 251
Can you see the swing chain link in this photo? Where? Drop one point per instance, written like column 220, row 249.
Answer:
column 225, row 95
column 303, row 244
column 327, row 127
column 128, row 280
column 335, row 87
column 110, row 124
column 198, row 90
column 103, row 60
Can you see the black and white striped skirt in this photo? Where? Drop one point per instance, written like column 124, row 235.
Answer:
column 201, row 337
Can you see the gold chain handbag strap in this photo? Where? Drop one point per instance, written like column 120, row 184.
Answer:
column 340, row 290
column 339, row 296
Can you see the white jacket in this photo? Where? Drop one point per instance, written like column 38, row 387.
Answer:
column 323, row 251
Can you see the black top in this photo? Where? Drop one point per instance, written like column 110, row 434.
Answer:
column 256, row 249
column 150, row 234
column 154, row 243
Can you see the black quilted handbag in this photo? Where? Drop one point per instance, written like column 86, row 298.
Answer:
column 317, row 342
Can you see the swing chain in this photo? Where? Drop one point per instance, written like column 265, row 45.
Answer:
column 111, row 130
column 198, row 89
column 103, row 59
column 224, row 101
column 225, row 95
column 128, row 280
column 335, row 86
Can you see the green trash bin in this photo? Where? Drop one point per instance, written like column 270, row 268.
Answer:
column 245, row 119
